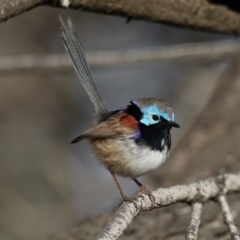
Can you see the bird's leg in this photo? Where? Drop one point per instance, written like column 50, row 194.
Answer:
column 144, row 190
column 125, row 197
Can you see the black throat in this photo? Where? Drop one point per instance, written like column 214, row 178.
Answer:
column 157, row 137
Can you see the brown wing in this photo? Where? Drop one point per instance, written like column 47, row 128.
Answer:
column 101, row 130
column 117, row 125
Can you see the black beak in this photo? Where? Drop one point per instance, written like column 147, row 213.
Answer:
column 173, row 124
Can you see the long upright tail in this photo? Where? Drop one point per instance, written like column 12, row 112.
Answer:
column 75, row 50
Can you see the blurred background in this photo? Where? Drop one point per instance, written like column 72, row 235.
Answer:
column 48, row 185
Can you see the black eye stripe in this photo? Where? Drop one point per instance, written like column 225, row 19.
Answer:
column 155, row 117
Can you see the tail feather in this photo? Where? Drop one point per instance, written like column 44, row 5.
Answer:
column 76, row 52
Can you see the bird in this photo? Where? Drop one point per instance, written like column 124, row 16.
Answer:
column 131, row 141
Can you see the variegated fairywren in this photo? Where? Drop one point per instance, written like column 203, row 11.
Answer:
column 131, row 141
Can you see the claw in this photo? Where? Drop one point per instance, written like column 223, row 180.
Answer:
column 130, row 200
column 144, row 190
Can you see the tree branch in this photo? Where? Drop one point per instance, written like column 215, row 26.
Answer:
column 201, row 191
column 196, row 14
column 12, row 8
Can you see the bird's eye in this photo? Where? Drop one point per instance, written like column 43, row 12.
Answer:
column 155, row 117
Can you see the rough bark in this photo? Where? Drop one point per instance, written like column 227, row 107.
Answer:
column 205, row 15
column 12, row 8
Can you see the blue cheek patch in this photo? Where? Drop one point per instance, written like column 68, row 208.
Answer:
column 151, row 110
column 146, row 122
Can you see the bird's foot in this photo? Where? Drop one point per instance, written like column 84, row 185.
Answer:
column 147, row 192
column 130, row 200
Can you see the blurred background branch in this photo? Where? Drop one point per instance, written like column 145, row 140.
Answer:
column 206, row 15
column 202, row 51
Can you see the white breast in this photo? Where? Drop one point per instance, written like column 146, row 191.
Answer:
column 142, row 159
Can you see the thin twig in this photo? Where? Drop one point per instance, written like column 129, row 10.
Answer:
column 194, row 192
column 192, row 229
column 205, row 50
column 228, row 218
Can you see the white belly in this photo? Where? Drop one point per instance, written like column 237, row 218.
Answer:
column 141, row 159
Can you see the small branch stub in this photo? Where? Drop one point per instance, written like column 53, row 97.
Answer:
column 192, row 229
column 228, row 218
